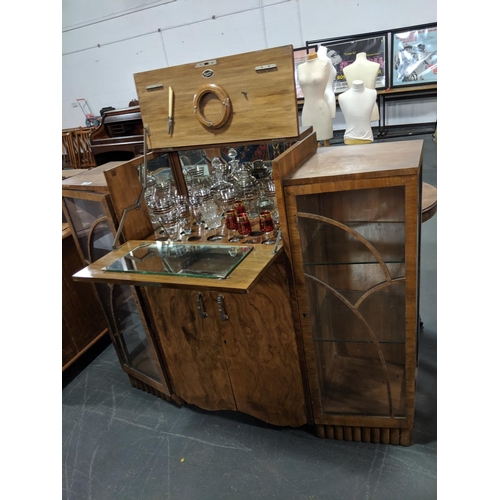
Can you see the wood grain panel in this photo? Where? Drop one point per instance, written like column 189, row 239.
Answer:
column 413, row 227
column 285, row 165
column 263, row 103
column 191, row 347
column 83, row 321
column 363, row 161
column 66, row 174
column 91, row 180
column 261, row 352
column 124, row 189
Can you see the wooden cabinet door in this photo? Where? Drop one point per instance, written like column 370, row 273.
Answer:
column 191, row 346
column 259, row 342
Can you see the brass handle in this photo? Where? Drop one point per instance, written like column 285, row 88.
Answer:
column 223, row 316
column 199, row 305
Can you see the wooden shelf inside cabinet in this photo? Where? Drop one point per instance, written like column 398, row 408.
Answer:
column 344, row 394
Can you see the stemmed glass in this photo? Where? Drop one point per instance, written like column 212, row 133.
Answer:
column 244, row 226
column 184, row 214
column 232, row 225
column 213, row 225
column 266, row 226
column 240, row 208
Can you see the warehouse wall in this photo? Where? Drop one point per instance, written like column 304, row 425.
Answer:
column 105, row 42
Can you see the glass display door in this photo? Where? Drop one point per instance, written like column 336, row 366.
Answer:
column 353, row 261
column 90, row 215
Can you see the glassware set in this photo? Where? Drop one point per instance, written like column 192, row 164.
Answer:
column 223, row 202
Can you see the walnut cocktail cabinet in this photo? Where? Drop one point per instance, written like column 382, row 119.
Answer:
column 354, row 217
column 227, row 344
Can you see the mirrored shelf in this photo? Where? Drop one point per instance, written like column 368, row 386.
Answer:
column 172, row 259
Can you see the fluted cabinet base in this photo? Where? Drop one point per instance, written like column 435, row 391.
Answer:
column 365, row 434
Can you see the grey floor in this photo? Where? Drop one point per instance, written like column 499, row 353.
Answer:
column 122, row 443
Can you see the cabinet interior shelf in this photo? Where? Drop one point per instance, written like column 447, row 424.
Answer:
column 353, row 223
column 343, row 341
column 358, row 386
column 311, row 264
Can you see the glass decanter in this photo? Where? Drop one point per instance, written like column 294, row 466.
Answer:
column 246, row 185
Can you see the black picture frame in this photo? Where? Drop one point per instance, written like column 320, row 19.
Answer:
column 414, row 56
column 299, row 57
column 343, row 52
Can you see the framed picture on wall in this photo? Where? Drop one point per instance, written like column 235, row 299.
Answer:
column 343, row 52
column 414, row 56
column 299, row 57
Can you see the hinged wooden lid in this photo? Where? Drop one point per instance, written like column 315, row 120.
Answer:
column 245, row 97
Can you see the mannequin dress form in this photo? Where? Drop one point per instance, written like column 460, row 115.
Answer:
column 356, row 105
column 329, row 92
column 313, row 77
column 363, row 69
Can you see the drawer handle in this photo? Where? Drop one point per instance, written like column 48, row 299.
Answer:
column 223, row 316
column 199, row 305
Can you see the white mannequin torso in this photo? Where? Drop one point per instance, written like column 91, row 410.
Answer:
column 329, row 92
column 356, row 105
column 367, row 71
column 313, row 78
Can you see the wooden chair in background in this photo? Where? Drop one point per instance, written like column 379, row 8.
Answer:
column 76, row 151
column 68, row 150
column 85, row 157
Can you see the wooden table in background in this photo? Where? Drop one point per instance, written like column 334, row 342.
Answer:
column 66, row 174
column 429, row 202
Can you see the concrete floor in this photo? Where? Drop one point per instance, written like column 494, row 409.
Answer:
column 122, row 443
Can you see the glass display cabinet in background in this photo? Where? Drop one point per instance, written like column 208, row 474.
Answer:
column 353, row 217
